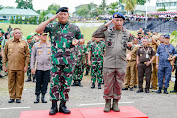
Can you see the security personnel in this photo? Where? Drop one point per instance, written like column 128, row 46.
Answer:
column 64, row 36
column 9, row 29
column 130, row 75
column 30, row 44
column 165, row 53
column 116, row 41
column 40, row 56
column 87, row 67
column 95, row 60
column 16, row 53
column 145, row 56
column 1, row 40
column 154, row 44
column 81, row 51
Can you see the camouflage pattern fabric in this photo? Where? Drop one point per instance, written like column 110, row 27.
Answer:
column 87, row 67
column 61, row 80
column 29, row 69
column 81, row 51
column 97, row 52
column 1, row 39
column 62, row 58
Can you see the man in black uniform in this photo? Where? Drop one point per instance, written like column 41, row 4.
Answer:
column 145, row 56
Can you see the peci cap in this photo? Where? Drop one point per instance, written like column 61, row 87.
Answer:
column 62, row 9
column 118, row 15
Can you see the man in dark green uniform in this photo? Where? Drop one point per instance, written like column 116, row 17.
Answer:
column 1, row 39
column 64, row 36
column 30, row 43
column 95, row 60
column 9, row 29
column 79, row 67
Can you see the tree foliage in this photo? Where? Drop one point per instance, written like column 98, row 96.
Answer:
column 12, row 20
column 24, row 4
column 113, row 7
column 141, row 2
column 26, row 20
column 161, row 9
column 53, row 8
column 16, row 19
column 130, row 5
column 20, row 20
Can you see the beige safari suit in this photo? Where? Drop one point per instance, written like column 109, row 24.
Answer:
column 17, row 54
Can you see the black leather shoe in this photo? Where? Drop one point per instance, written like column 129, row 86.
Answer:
column 135, row 86
column 139, row 91
column 86, row 74
column 54, row 108
column 131, row 89
column 93, row 85
column 99, row 85
column 11, row 101
column 28, row 80
column 37, row 99
column 146, row 91
column 43, row 98
column 174, row 91
column 63, row 108
column 18, row 101
column 124, row 88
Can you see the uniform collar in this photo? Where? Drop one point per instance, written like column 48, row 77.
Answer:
column 63, row 24
column 13, row 40
column 164, row 44
column 42, row 43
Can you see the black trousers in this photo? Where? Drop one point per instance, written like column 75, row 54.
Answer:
column 175, row 86
column 144, row 70
column 42, row 79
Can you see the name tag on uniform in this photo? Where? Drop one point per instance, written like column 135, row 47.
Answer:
column 147, row 56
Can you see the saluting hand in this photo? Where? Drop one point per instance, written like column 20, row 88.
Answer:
column 53, row 18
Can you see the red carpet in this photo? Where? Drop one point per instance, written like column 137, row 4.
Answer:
column 125, row 112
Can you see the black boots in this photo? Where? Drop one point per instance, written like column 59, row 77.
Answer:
column 159, row 90
column 99, row 85
column 93, row 85
column 34, row 79
column 43, row 98
column 63, row 108
column 54, row 108
column 29, row 79
column 11, row 101
column 37, row 99
column 74, row 83
column 165, row 91
column 86, row 73
column 79, row 83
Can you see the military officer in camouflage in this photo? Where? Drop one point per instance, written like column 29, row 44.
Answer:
column 30, row 44
column 95, row 60
column 1, row 39
column 64, row 36
column 81, row 51
column 116, row 41
column 87, row 67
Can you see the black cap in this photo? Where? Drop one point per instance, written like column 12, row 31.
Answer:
column 62, row 9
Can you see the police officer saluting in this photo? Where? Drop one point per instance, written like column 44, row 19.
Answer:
column 116, row 41
column 64, row 36
column 145, row 56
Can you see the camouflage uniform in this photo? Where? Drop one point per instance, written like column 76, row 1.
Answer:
column 1, row 39
column 87, row 67
column 29, row 69
column 62, row 58
column 80, row 59
column 97, row 52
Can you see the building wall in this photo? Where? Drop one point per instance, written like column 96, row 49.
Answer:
column 170, row 5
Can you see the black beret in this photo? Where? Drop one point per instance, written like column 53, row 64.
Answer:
column 62, row 9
